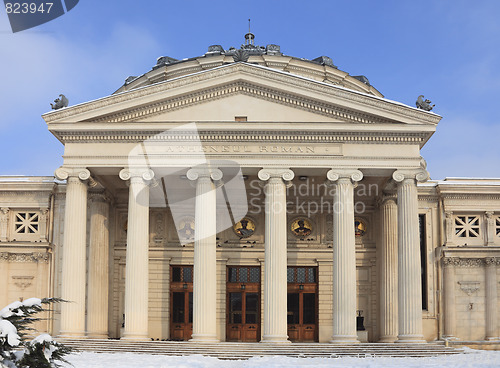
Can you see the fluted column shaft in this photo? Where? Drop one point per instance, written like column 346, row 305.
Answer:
column 344, row 257
column 97, row 308
column 74, row 252
column 450, row 330
column 388, row 270
column 205, row 249
column 409, row 267
column 137, row 258
column 491, row 299
column 275, row 280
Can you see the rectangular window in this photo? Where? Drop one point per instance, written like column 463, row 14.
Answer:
column 302, row 275
column 243, row 274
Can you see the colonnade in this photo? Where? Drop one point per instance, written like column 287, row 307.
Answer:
column 407, row 310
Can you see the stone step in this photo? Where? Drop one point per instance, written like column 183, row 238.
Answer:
column 225, row 350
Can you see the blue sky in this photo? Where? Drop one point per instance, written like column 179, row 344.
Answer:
column 447, row 50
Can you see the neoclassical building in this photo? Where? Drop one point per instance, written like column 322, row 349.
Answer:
column 246, row 195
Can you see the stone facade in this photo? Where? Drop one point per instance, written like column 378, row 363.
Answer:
column 304, row 210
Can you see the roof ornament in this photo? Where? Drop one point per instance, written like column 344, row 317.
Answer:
column 60, row 103
column 249, row 37
column 424, row 104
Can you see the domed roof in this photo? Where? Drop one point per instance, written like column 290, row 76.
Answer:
column 320, row 69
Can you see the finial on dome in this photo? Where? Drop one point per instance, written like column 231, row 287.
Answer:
column 249, row 37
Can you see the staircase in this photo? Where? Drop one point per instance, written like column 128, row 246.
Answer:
column 229, row 350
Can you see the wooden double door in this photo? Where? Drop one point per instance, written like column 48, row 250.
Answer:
column 302, row 304
column 181, row 302
column 243, row 304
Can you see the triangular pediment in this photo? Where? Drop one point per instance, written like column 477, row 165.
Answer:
column 240, row 89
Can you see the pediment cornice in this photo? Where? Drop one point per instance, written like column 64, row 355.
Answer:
column 241, row 78
column 283, row 136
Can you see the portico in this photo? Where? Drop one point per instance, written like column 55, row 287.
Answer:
column 170, row 157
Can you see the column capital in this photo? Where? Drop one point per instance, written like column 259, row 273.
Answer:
column 451, row 261
column 4, row 210
column 63, row 173
column 278, row 173
column 387, row 198
column 144, row 174
column 102, row 196
column 199, row 172
column 419, row 175
column 492, row 261
column 352, row 174
column 489, row 214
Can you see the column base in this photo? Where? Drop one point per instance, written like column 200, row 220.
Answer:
column 411, row 339
column 275, row 339
column 104, row 336
column 135, row 337
column 72, row 335
column 388, row 339
column 492, row 338
column 204, row 338
column 344, row 339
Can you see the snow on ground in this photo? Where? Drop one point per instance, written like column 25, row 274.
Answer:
column 475, row 359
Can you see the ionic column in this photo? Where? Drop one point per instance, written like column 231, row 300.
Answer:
column 409, row 267
column 205, row 264
column 389, row 270
column 491, row 299
column 97, row 307
column 137, row 259
column 344, row 256
column 449, row 283
column 4, row 223
column 275, row 280
column 74, row 252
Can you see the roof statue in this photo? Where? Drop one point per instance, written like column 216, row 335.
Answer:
column 424, row 104
column 60, row 103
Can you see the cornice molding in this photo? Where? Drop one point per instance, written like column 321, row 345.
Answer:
column 291, row 136
column 286, row 80
column 240, row 87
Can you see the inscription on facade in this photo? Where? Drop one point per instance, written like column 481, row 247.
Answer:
column 264, row 149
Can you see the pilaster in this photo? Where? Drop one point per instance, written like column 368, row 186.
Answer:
column 490, row 227
column 449, row 284
column 491, row 299
column 344, row 256
column 275, row 279
column 4, row 223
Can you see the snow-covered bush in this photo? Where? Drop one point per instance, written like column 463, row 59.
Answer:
column 15, row 323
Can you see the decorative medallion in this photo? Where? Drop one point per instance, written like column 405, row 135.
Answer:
column 359, row 227
column 185, row 229
column 301, row 227
column 244, row 228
